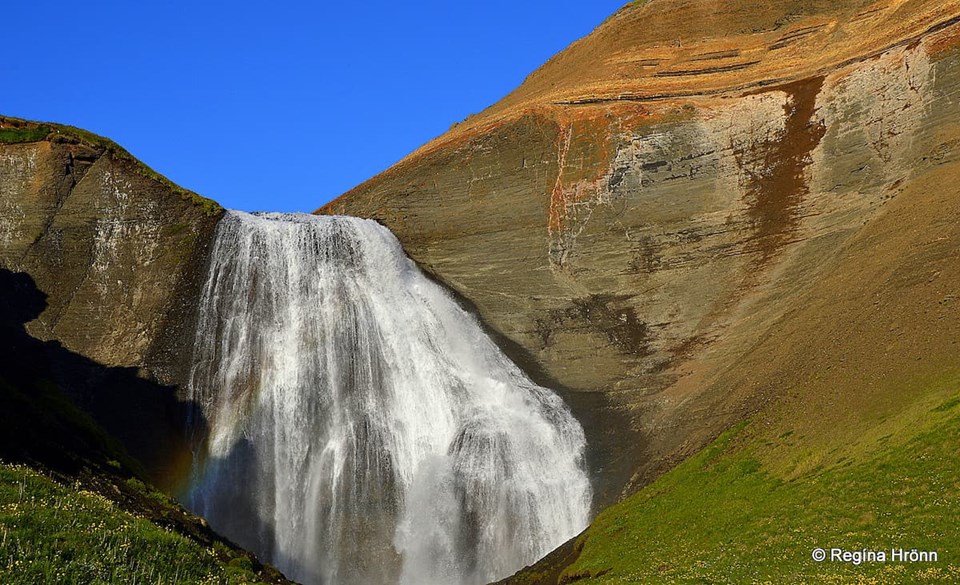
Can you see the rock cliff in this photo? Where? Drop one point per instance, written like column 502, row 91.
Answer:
column 119, row 254
column 666, row 195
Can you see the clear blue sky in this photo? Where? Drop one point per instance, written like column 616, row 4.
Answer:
column 275, row 105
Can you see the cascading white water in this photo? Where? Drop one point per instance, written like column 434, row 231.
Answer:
column 360, row 427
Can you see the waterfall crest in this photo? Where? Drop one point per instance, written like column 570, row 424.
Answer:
column 361, row 429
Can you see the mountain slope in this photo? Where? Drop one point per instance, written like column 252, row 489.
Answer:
column 705, row 217
column 67, row 533
column 651, row 202
column 851, row 440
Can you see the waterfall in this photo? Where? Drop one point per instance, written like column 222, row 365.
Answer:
column 359, row 427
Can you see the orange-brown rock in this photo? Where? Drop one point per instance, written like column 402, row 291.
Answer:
column 668, row 194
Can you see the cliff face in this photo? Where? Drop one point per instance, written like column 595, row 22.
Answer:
column 101, row 263
column 670, row 193
column 118, row 253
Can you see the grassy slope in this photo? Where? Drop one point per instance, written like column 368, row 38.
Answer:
column 55, row 533
column 88, row 518
column 727, row 516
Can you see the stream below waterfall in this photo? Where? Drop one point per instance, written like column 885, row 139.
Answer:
column 357, row 427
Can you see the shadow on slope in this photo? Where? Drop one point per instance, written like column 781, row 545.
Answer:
column 74, row 418
column 64, row 411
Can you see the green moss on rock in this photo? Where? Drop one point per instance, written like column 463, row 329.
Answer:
column 16, row 130
column 29, row 134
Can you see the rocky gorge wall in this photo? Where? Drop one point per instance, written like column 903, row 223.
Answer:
column 654, row 201
column 119, row 253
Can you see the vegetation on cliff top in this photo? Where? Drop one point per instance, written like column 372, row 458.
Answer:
column 27, row 134
column 15, row 131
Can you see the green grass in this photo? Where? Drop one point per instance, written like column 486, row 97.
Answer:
column 18, row 135
column 90, row 517
column 52, row 533
column 726, row 516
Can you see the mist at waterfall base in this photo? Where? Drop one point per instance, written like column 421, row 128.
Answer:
column 361, row 429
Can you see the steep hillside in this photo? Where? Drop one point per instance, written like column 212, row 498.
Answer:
column 76, row 507
column 727, row 515
column 648, row 217
column 98, row 528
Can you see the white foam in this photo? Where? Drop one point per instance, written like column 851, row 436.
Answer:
column 362, row 428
